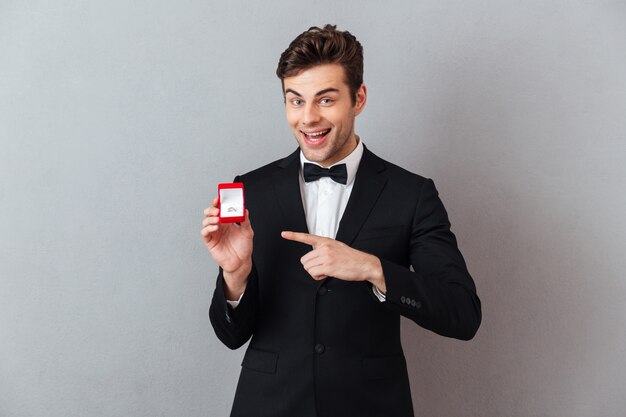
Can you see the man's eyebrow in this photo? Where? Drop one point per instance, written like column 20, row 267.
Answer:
column 289, row 90
column 327, row 90
column 319, row 93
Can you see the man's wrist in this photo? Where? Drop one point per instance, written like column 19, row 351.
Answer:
column 234, row 303
column 235, row 282
column 376, row 275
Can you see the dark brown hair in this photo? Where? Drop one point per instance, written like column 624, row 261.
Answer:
column 324, row 46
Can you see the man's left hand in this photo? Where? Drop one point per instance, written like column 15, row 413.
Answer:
column 332, row 258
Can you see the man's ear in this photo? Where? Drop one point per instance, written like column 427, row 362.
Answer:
column 360, row 99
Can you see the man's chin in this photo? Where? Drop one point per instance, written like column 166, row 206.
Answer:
column 312, row 155
column 317, row 156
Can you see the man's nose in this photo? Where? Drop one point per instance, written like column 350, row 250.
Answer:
column 311, row 115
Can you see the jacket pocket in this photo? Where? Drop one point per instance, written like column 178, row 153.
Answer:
column 384, row 367
column 260, row 360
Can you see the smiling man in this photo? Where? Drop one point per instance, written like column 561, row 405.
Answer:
column 319, row 273
column 321, row 111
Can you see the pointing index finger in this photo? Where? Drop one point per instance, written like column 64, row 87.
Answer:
column 306, row 238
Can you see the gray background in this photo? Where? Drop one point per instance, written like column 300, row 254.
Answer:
column 118, row 119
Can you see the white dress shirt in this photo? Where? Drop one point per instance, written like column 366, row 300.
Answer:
column 325, row 201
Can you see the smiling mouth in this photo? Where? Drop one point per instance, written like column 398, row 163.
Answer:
column 317, row 137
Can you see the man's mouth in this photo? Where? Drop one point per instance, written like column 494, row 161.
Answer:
column 315, row 137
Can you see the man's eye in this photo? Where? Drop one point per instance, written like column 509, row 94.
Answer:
column 326, row 101
column 296, row 101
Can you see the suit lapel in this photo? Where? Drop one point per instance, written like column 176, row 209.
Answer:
column 368, row 184
column 287, row 190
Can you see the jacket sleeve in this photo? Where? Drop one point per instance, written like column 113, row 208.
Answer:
column 234, row 326
column 439, row 294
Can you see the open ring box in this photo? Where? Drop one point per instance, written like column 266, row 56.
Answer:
column 231, row 202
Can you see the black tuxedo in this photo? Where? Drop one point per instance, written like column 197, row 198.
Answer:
column 330, row 348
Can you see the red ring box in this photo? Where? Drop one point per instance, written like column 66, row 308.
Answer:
column 231, row 202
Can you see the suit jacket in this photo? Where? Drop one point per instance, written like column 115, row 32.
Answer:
column 331, row 348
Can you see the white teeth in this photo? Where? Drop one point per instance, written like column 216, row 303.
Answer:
column 323, row 132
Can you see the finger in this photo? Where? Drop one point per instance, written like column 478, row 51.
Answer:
column 246, row 222
column 206, row 231
column 307, row 238
column 315, row 263
column 210, row 220
column 312, row 256
column 317, row 273
column 211, row 211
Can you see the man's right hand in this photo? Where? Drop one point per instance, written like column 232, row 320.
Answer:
column 230, row 245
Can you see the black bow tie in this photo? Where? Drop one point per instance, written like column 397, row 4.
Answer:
column 338, row 173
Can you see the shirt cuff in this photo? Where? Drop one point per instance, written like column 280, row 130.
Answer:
column 381, row 297
column 234, row 304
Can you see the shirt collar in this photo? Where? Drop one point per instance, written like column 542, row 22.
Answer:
column 352, row 161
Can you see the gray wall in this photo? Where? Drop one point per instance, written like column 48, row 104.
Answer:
column 117, row 121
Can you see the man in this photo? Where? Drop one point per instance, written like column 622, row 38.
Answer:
column 321, row 280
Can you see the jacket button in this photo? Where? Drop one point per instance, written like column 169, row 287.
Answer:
column 413, row 303
column 417, row 304
column 319, row 348
column 322, row 290
column 403, row 299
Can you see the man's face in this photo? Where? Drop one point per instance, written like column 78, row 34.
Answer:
column 321, row 114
